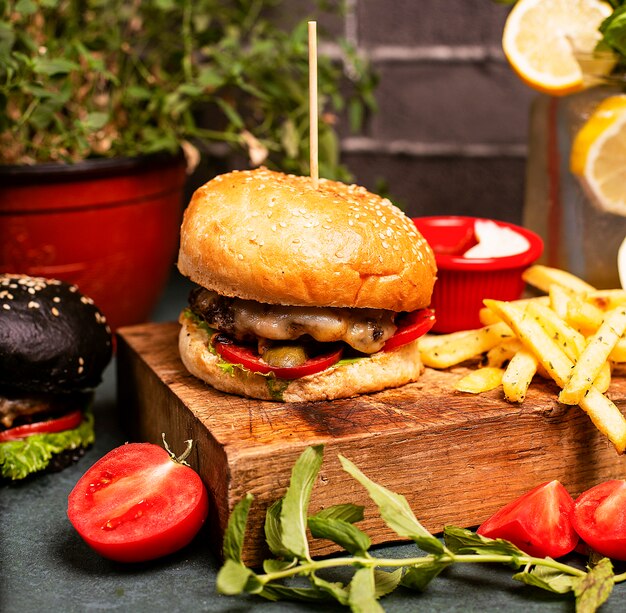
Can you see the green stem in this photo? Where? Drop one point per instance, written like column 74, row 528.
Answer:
column 308, row 567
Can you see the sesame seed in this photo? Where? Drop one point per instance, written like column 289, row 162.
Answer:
column 55, row 311
column 33, row 305
column 6, row 307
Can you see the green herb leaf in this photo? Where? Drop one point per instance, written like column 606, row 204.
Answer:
column 273, row 532
column 362, row 597
column 548, row 579
column 275, row 591
column 348, row 512
column 334, row 589
column 341, row 532
column 232, row 578
column 235, row 531
column 386, row 582
column 593, row 589
column 418, row 577
column 614, row 30
column 395, row 511
column 275, row 566
column 293, row 514
column 460, row 540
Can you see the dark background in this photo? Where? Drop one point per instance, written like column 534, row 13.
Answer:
column 450, row 134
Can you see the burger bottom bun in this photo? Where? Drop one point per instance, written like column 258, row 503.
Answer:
column 377, row 372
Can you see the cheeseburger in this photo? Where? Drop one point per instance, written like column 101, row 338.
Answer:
column 302, row 293
column 54, row 346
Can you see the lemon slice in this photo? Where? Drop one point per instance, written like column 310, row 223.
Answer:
column 599, row 155
column 541, row 38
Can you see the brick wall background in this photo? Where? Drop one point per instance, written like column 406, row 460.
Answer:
column 450, row 135
column 451, row 131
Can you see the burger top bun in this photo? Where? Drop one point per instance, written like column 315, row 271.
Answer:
column 52, row 338
column 274, row 238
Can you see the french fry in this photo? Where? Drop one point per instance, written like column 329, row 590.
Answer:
column 488, row 317
column 603, row 413
column 500, row 354
column 458, row 348
column 518, row 375
column 480, row 380
column 584, row 316
column 594, row 356
column 603, row 380
column 559, row 299
column 618, row 355
column 571, row 341
column 608, row 299
column 542, row 277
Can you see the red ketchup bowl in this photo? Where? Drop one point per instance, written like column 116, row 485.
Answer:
column 463, row 283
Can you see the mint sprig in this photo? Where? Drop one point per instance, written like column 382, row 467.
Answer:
column 288, row 525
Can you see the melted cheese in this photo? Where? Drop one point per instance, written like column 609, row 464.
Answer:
column 364, row 329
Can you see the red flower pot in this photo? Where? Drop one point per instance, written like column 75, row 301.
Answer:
column 110, row 226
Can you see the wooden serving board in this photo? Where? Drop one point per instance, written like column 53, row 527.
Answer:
column 456, row 457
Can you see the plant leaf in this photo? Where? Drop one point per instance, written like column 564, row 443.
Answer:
column 334, row 589
column 362, row 598
column 386, row 582
column 293, row 513
column 418, row 577
column 460, row 540
column 593, row 590
column 276, row 591
column 395, row 511
column 341, row 532
column 351, row 513
column 273, row 533
column 236, row 528
column 548, row 579
column 232, row 578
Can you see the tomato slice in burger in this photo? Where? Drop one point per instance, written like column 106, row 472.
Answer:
column 248, row 358
column 600, row 518
column 411, row 326
column 60, row 424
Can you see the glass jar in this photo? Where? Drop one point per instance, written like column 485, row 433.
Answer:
column 579, row 234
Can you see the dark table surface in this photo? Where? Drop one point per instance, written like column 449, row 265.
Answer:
column 46, row 567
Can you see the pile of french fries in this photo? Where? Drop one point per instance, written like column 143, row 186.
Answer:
column 574, row 334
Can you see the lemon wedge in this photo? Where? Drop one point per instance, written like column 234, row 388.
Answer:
column 541, row 39
column 598, row 155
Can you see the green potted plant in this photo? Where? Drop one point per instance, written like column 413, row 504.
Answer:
column 104, row 105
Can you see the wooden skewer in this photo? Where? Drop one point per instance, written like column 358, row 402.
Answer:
column 313, row 111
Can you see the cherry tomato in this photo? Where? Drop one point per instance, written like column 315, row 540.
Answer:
column 538, row 522
column 66, row 422
column 411, row 326
column 248, row 358
column 600, row 518
column 138, row 503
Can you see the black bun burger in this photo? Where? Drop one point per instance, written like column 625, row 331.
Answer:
column 54, row 345
column 303, row 294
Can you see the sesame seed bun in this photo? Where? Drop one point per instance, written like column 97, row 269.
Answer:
column 274, row 238
column 53, row 339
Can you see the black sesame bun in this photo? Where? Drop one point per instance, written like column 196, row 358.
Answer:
column 54, row 347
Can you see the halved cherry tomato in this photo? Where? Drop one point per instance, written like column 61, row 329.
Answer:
column 411, row 326
column 248, row 358
column 600, row 518
column 538, row 522
column 66, row 422
column 138, row 503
